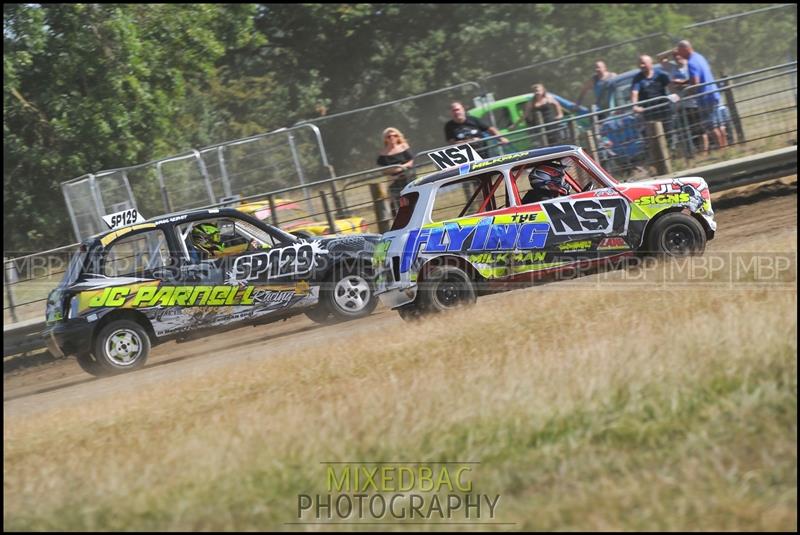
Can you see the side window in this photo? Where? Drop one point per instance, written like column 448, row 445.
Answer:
column 576, row 178
column 406, row 210
column 502, row 118
column 234, row 237
column 521, row 109
column 478, row 194
column 136, row 256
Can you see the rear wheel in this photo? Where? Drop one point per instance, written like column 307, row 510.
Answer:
column 445, row 288
column 677, row 234
column 120, row 346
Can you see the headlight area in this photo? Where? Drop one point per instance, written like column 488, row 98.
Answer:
column 74, row 303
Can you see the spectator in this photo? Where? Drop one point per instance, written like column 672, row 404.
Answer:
column 543, row 108
column 396, row 151
column 678, row 71
column 622, row 148
column 463, row 128
column 700, row 73
column 649, row 84
column 599, row 83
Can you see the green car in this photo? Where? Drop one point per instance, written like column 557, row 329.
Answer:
column 509, row 116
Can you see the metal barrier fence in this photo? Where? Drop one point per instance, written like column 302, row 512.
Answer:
column 197, row 177
column 761, row 104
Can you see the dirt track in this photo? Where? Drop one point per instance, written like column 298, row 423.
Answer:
column 743, row 217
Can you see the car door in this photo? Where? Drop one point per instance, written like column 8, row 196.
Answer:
column 590, row 221
column 278, row 271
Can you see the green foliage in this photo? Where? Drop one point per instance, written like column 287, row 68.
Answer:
column 89, row 87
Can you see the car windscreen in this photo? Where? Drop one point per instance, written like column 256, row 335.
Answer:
column 75, row 266
column 407, row 204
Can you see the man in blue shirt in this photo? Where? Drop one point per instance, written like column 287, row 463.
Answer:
column 700, row 73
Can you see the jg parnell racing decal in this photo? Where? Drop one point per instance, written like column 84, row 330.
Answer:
column 295, row 260
column 192, row 296
column 167, row 296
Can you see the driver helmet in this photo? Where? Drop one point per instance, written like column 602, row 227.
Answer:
column 549, row 177
column 206, row 237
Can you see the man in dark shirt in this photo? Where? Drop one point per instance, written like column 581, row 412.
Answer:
column 649, row 84
column 463, row 128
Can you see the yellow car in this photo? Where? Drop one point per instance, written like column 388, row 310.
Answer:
column 293, row 218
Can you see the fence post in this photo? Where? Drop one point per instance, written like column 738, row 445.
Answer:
column 383, row 213
column 588, row 143
column 273, row 213
column 337, row 202
column 541, row 138
column 9, row 290
column 686, row 129
column 331, row 222
column 737, row 121
column 659, row 151
column 573, row 133
column 299, row 168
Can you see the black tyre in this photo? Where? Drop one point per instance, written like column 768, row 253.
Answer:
column 445, row 288
column 89, row 365
column 320, row 314
column 121, row 346
column 410, row 313
column 348, row 294
column 676, row 234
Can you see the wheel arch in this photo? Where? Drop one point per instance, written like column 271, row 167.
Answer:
column 126, row 314
column 450, row 260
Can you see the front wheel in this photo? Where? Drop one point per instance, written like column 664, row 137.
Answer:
column 677, row 234
column 88, row 364
column 445, row 288
column 120, row 346
column 348, row 294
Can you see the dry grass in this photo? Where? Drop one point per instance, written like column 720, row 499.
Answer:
column 661, row 410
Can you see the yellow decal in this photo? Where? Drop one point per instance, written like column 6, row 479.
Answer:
column 499, row 159
column 575, row 245
column 121, row 232
column 664, row 198
column 166, row 296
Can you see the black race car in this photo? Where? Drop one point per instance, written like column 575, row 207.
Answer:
column 196, row 273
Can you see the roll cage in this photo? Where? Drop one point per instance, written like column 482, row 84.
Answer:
column 509, row 174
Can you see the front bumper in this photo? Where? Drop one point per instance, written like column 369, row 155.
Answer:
column 68, row 337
